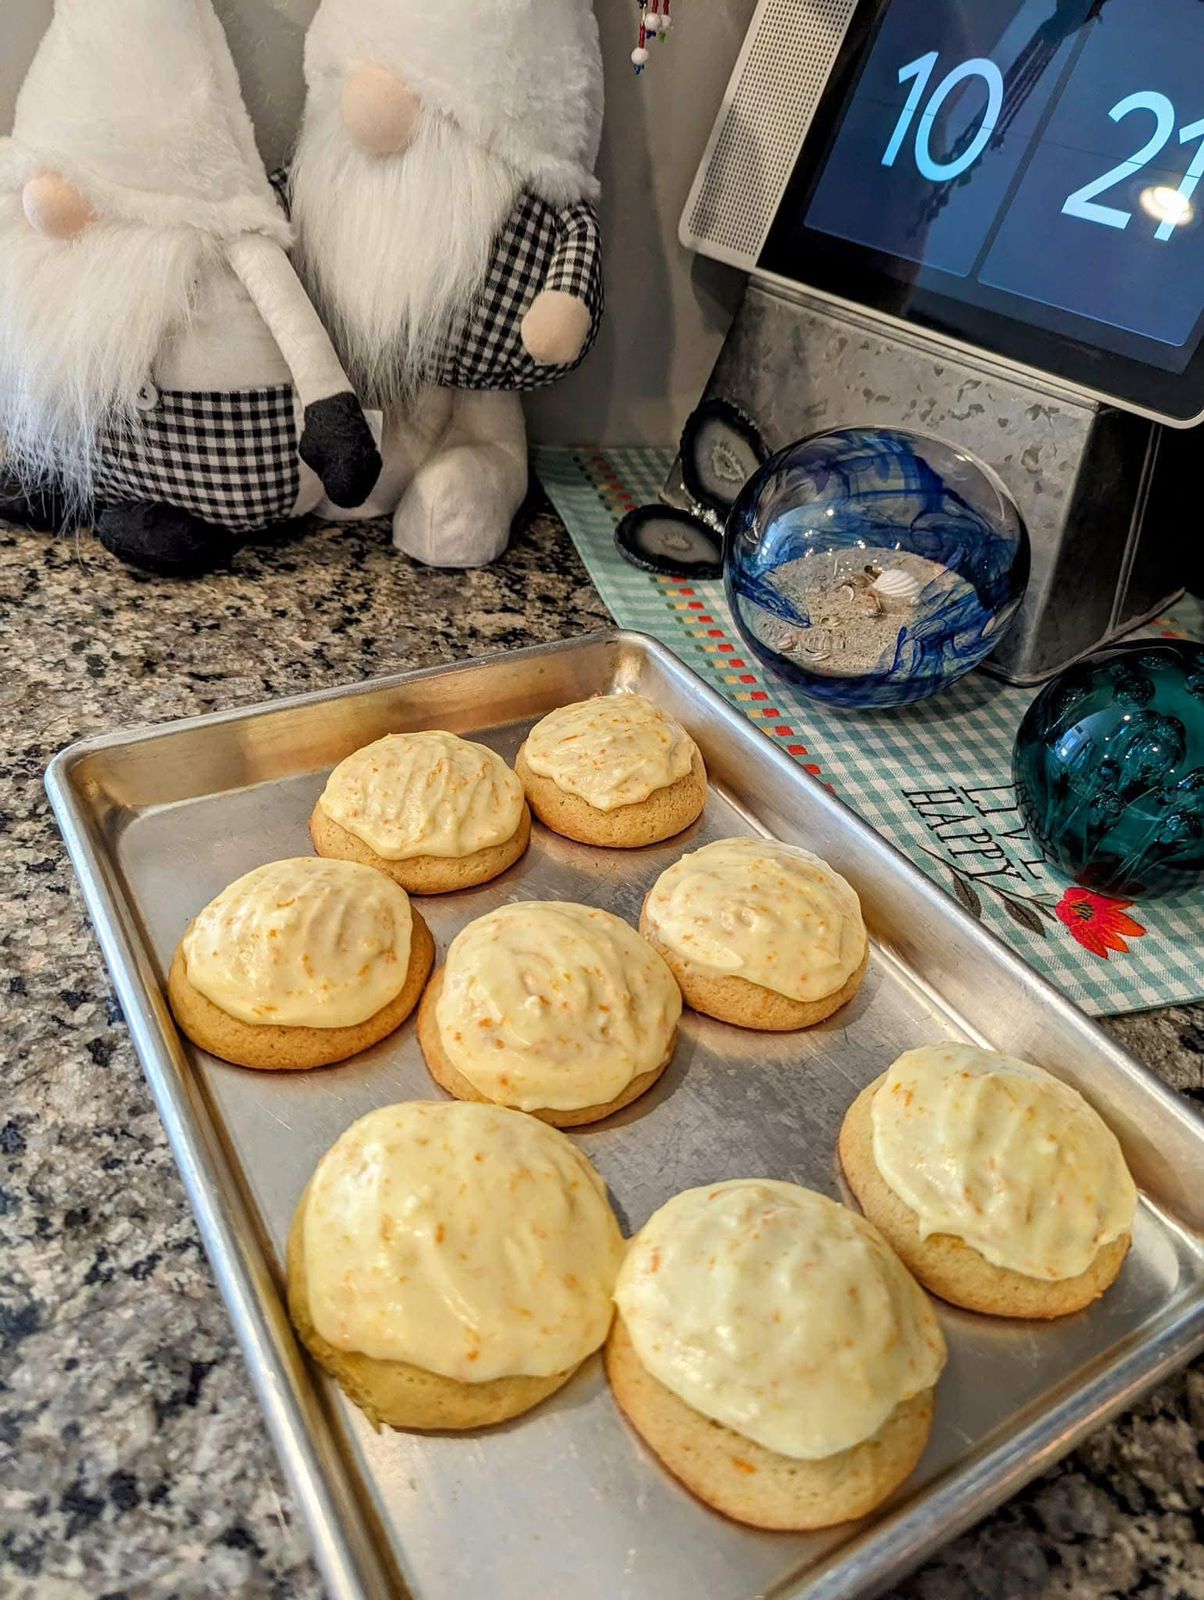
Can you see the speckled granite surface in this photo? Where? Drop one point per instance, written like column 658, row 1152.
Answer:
column 132, row 1458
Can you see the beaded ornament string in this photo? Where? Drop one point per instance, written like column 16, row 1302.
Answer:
column 655, row 23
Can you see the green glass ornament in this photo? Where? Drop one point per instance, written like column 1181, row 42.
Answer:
column 1109, row 768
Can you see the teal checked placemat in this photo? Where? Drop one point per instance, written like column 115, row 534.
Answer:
column 935, row 777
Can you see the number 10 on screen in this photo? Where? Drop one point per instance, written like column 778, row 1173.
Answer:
column 1082, row 203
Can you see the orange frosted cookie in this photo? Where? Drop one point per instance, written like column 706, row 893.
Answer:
column 758, row 933
column 774, row 1353
column 451, row 1265
column 300, row 963
column 557, row 1009
column 614, row 771
column 999, row 1186
column 433, row 811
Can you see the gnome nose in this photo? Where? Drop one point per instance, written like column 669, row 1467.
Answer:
column 380, row 112
column 54, row 208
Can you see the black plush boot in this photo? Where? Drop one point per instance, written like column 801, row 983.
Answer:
column 44, row 508
column 164, row 539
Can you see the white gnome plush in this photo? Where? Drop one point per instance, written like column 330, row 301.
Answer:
column 442, row 191
column 160, row 363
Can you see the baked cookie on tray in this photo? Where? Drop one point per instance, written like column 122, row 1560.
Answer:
column 300, row 963
column 758, row 933
column 452, row 1265
column 774, row 1353
column 997, row 1184
column 557, row 1009
column 432, row 811
column 614, row 771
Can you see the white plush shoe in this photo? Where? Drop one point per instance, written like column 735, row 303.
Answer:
column 459, row 507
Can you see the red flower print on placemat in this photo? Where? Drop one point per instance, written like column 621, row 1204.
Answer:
column 1099, row 924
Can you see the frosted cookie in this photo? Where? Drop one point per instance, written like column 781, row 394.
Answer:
column 758, row 933
column 432, row 811
column 613, row 771
column 451, row 1265
column 774, row 1353
column 998, row 1185
column 300, row 963
column 556, row 1009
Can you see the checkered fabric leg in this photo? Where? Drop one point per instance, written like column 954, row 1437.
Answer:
column 230, row 459
column 539, row 248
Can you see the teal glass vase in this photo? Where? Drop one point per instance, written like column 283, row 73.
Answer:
column 1109, row 769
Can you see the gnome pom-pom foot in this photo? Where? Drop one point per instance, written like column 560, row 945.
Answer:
column 164, row 540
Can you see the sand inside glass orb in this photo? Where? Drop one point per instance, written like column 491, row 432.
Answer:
column 859, row 603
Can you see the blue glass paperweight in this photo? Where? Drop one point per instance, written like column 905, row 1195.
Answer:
column 1109, row 768
column 872, row 566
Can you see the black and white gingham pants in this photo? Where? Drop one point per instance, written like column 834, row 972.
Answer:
column 230, row 459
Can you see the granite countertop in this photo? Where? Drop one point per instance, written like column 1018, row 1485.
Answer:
column 133, row 1461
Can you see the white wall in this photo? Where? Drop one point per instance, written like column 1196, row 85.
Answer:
column 667, row 311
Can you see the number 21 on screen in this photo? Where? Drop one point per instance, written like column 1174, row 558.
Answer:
column 1083, row 203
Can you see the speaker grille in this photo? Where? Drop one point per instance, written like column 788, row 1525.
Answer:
column 765, row 115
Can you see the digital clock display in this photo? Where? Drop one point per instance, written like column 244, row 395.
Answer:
column 1025, row 174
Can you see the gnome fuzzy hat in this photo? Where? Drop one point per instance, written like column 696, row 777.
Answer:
column 523, row 78
column 137, row 104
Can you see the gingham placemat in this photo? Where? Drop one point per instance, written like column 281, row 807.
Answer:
column 935, row 777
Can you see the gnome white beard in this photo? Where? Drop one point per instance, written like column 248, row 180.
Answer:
column 80, row 325
column 395, row 248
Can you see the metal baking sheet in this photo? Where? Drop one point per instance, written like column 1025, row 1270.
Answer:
column 566, row 1501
